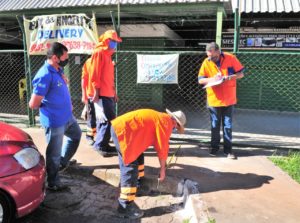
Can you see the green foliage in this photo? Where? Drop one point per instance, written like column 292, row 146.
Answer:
column 211, row 220
column 289, row 164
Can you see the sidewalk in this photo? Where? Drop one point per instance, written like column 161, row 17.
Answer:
column 249, row 189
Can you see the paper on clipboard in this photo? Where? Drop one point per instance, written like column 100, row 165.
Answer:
column 214, row 83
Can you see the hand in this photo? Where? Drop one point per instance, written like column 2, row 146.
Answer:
column 95, row 98
column 162, row 174
column 116, row 98
column 84, row 99
column 99, row 110
column 218, row 76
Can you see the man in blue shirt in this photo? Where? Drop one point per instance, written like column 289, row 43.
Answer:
column 51, row 95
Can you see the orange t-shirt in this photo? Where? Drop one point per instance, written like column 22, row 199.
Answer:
column 225, row 93
column 137, row 130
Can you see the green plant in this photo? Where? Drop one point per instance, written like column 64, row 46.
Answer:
column 289, row 164
column 186, row 220
column 211, row 220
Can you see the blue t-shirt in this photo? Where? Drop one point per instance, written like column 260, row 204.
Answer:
column 56, row 107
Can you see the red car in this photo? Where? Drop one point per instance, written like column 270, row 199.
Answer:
column 22, row 174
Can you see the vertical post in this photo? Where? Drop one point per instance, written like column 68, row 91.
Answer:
column 116, row 66
column 237, row 23
column 219, row 26
column 30, row 112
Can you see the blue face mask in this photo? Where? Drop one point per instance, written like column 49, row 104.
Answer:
column 112, row 44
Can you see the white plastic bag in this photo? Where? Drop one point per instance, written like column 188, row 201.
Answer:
column 84, row 113
column 99, row 110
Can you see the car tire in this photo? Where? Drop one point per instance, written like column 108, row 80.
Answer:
column 6, row 207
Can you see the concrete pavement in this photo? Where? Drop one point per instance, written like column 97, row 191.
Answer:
column 249, row 189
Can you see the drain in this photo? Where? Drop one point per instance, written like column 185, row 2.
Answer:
column 187, row 187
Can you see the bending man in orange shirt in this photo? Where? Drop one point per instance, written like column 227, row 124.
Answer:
column 102, row 88
column 220, row 98
column 132, row 134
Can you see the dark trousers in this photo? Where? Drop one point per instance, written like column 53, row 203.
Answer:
column 130, row 174
column 222, row 115
column 103, row 129
column 91, row 120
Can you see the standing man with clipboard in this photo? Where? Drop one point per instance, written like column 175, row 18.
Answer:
column 218, row 73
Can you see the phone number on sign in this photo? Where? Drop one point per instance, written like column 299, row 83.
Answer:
column 71, row 45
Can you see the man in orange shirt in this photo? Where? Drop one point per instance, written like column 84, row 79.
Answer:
column 132, row 134
column 102, row 88
column 86, row 99
column 225, row 68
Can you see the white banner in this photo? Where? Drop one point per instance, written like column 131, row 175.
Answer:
column 157, row 69
column 76, row 31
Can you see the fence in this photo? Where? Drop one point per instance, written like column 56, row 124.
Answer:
column 267, row 113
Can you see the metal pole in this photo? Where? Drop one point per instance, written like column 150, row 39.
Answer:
column 219, row 26
column 116, row 67
column 236, row 27
column 27, row 73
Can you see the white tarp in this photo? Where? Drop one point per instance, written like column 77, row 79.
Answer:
column 157, row 69
column 76, row 31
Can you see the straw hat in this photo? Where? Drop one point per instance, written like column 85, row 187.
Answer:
column 180, row 118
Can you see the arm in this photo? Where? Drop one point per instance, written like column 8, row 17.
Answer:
column 238, row 69
column 162, row 173
column 206, row 80
column 83, row 91
column 236, row 76
column 203, row 77
column 35, row 101
column 96, row 71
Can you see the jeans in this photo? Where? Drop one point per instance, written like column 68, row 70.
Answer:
column 103, row 129
column 59, row 151
column 129, row 176
column 222, row 115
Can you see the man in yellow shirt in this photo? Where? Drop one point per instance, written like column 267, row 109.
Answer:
column 132, row 134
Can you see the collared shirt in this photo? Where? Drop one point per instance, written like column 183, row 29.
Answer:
column 137, row 130
column 56, row 106
column 225, row 93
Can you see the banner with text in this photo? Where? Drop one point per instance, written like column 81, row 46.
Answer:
column 76, row 31
column 157, row 69
column 263, row 40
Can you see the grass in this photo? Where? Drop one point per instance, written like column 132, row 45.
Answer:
column 289, row 164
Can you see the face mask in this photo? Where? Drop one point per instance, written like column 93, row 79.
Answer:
column 112, row 44
column 63, row 63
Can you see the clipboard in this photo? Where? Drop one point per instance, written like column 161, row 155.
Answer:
column 214, row 83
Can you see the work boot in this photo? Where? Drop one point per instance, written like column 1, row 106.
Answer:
column 131, row 211
column 106, row 151
column 213, row 152
column 63, row 168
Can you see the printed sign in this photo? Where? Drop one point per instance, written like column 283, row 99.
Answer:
column 157, row 69
column 263, row 40
column 76, row 31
